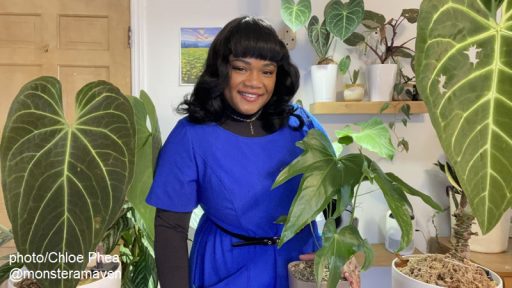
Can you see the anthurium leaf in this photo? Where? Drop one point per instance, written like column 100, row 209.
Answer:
column 295, row 15
column 463, row 64
column 343, row 18
column 373, row 135
column 397, row 202
column 319, row 37
column 413, row 192
column 64, row 184
column 147, row 142
column 402, row 52
column 411, row 15
column 344, row 64
column 354, row 39
column 375, row 17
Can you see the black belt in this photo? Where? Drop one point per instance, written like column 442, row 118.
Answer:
column 247, row 240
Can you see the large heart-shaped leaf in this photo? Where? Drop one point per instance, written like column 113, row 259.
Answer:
column 64, row 184
column 343, row 18
column 464, row 64
column 295, row 15
column 319, row 37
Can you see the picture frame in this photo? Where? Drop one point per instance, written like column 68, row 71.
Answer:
column 194, row 45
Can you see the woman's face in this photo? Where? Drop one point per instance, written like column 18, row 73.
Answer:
column 251, row 84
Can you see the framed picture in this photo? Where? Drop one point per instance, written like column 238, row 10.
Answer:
column 194, row 49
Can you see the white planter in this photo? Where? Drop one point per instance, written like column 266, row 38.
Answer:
column 498, row 236
column 381, row 80
column 109, row 282
column 324, row 82
column 400, row 280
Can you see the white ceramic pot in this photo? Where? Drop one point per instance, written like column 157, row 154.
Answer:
column 381, row 80
column 296, row 283
column 109, row 282
column 498, row 236
column 400, row 280
column 324, row 82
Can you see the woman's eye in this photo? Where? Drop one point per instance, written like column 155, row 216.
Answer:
column 268, row 73
column 239, row 68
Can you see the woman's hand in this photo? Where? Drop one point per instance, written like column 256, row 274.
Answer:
column 350, row 270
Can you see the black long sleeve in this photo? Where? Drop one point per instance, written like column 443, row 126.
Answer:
column 171, row 250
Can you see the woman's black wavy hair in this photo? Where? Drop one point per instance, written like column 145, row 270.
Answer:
column 243, row 37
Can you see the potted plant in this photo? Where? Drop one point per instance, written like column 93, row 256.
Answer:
column 327, row 175
column 353, row 91
column 462, row 64
column 340, row 20
column 65, row 183
column 381, row 41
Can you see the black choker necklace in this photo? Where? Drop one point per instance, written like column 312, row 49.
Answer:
column 247, row 120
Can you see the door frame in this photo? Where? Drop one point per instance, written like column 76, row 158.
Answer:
column 137, row 20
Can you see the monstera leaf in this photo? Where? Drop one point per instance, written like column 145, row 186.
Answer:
column 295, row 15
column 343, row 18
column 65, row 183
column 464, row 64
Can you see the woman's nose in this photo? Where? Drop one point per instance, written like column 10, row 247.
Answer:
column 253, row 79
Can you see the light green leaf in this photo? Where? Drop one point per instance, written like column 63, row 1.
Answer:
column 319, row 37
column 344, row 64
column 295, row 15
column 463, row 64
column 373, row 135
column 343, row 18
column 73, row 177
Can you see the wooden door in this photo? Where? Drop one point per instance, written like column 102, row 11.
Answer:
column 77, row 41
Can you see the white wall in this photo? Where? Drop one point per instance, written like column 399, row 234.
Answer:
column 161, row 43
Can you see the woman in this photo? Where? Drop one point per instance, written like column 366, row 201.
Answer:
column 239, row 133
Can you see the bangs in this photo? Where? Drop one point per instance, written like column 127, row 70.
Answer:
column 256, row 39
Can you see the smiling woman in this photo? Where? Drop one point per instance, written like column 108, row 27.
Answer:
column 239, row 132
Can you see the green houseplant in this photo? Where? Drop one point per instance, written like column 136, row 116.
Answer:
column 65, row 183
column 380, row 39
column 327, row 176
column 340, row 20
column 463, row 64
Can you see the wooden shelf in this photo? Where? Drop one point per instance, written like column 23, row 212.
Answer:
column 365, row 107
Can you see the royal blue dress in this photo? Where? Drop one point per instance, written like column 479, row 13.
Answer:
column 230, row 177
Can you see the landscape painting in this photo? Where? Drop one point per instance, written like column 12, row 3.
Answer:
column 194, row 48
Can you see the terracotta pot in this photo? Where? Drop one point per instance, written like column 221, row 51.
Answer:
column 296, row 283
column 400, row 280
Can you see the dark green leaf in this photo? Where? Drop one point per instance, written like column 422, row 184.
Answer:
column 319, row 37
column 74, row 177
column 375, row 17
column 401, row 52
column 354, row 39
column 343, row 18
column 406, row 110
column 384, row 107
column 397, row 202
column 411, row 15
column 398, row 88
column 404, row 122
column 411, row 191
column 391, row 125
column 355, row 76
column 345, row 140
column 404, row 144
column 295, row 15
